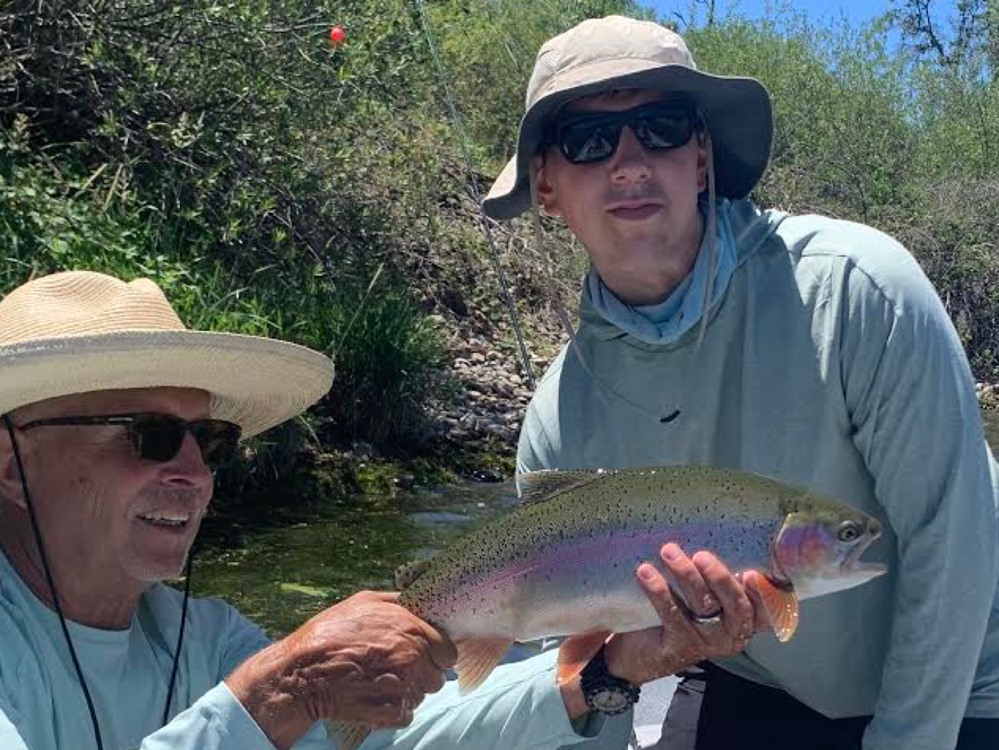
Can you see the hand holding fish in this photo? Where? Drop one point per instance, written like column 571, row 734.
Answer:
column 564, row 563
column 709, row 589
column 365, row 660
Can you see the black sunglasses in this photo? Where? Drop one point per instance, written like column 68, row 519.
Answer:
column 158, row 437
column 588, row 137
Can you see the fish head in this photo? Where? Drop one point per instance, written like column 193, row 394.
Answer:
column 819, row 546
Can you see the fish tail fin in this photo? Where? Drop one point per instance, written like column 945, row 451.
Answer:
column 576, row 652
column 477, row 658
column 347, row 735
column 781, row 606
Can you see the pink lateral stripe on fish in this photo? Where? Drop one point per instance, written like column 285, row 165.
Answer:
column 563, row 562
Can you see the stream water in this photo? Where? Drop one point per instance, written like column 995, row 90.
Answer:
column 279, row 575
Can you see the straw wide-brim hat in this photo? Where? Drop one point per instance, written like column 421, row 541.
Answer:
column 80, row 331
column 622, row 53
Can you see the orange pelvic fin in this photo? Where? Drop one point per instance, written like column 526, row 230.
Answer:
column 781, row 606
column 576, row 652
column 477, row 659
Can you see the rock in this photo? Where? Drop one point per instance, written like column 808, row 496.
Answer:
column 478, row 357
column 364, row 451
column 487, row 475
column 405, row 482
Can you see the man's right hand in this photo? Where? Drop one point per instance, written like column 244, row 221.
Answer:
column 366, row 660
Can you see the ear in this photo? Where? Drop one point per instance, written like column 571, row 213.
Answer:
column 702, row 162
column 10, row 476
column 545, row 187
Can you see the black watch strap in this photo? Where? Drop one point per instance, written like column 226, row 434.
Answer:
column 603, row 691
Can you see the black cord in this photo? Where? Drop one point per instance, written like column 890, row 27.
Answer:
column 58, row 608
column 180, row 636
column 51, row 582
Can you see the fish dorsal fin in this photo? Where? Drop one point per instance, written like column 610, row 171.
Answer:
column 406, row 573
column 536, row 486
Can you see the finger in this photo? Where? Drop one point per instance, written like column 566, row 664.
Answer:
column 380, row 596
column 389, row 717
column 424, row 675
column 378, row 710
column 391, row 687
column 432, row 681
column 689, row 582
column 658, row 592
column 761, row 623
column 443, row 652
column 737, row 609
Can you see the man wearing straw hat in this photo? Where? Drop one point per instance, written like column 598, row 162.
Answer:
column 112, row 419
column 800, row 347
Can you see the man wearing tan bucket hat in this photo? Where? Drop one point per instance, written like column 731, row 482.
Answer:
column 801, row 347
column 112, row 418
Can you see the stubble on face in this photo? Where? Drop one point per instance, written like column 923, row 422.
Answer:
column 112, row 523
column 635, row 212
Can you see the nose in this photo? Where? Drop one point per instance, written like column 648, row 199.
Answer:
column 630, row 162
column 188, row 468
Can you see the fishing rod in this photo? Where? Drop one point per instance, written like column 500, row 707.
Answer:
column 441, row 73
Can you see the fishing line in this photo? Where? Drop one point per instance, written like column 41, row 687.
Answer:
column 441, row 73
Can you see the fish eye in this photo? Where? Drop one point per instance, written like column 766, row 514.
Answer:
column 849, row 531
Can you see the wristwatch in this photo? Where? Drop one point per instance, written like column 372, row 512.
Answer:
column 603, row 691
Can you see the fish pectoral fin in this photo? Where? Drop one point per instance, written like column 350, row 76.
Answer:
column 576, row 652
column 346, row 735
column 781, row 606
column 477, row 659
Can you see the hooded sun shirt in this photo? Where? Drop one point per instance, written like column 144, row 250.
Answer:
column 828, row 363
column 667, row 321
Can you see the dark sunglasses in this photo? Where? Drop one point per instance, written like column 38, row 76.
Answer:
column 587, row 137
column 158, row 437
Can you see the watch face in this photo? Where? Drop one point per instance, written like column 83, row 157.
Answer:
column 609, row 700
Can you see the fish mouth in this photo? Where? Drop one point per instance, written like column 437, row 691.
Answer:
column 852, row 562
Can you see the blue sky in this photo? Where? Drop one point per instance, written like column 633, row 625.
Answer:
column 856, row 11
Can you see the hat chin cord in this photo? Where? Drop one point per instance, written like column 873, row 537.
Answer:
column 36, row 528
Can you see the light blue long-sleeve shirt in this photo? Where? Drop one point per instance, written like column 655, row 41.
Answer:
column 831, row 364
column 42, row 706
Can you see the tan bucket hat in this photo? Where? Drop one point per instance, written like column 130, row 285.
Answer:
column 621, row 53
column 80, row 331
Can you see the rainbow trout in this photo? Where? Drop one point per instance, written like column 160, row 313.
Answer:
column 563, row 562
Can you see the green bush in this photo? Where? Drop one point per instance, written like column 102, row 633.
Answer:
column 264, row 177
column 390, row 361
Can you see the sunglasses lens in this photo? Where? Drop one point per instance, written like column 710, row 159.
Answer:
column 663, row 131
column 157, row 437
column 217, row 440
column 592, row 137
column 585, row 142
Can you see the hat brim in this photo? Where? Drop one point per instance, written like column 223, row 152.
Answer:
column 253, row 381
column 737, row 110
